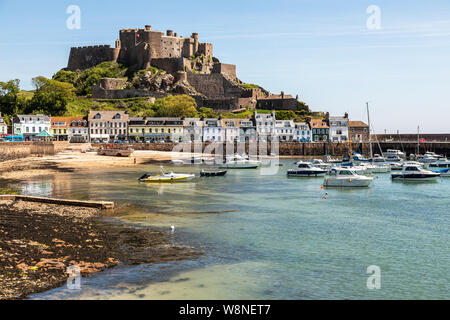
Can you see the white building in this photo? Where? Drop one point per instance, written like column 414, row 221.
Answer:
column 284, row 130
column 231, row 130
column 108, row 125
column 213, row 131
column 31, row 125
column 3, row 126
column 193, row 130
column 302, row 132
column 339, row 128
column 265, row 124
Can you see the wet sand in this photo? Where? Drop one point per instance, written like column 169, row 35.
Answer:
column 38, row 242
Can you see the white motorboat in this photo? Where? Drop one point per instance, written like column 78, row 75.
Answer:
column 169, row 177
column 360, row 170
column 321, row 164
column 441, row 164
column 414, row 172
column 305, row 169
column 380, row 165
column 347, row 178
column 178, row 162
column 393, row 155
column 240, row 162
column 431, row 157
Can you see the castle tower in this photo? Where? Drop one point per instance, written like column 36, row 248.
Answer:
column 196, row 43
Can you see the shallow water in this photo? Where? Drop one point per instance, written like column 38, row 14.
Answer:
column 279, row 240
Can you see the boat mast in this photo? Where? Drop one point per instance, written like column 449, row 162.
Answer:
column 370, row 135
column 418, row 140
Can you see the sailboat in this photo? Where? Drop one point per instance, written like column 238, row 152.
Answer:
column 378, row 166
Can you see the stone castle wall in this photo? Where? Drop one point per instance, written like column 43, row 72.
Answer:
column 87, row 57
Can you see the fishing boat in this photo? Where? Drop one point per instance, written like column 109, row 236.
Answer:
column 219, row 173
column 169, row 177
column 347, row 178
column 305, row 169
column 240, row 162
column 415, row 173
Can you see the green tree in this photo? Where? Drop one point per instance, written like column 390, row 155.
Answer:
column 90, row 77
column 10, row 101
column 208, row 113
column 175, row 106
column 66, row 76
column 51, row 97
column 285, row 115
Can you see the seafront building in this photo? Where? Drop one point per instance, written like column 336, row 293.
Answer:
column 78, row 130
column 108, row 125
column 359, row 131
column 302, row 132
column 248, row 131
column 320, row 130
column 265, row 124
column 212, row 130
column 73, row 129
column 29, row 126
column 156, row 129
column 193, row 130
column 3, row 126
column 231, row 130
column 339, row 128
column 284, row 130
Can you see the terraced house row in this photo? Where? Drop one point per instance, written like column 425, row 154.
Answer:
column 111, row 126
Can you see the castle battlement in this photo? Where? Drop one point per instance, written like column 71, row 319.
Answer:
column 139, row 51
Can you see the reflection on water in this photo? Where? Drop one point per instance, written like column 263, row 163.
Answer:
column 269, row 237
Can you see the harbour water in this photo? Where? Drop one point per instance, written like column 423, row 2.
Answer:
column 270, row 237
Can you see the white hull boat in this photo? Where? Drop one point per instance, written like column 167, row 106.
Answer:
column 347, row 178
column 306, row 170
column 415, row 173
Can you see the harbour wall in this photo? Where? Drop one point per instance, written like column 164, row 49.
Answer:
column 18, row 150
column 304, row 149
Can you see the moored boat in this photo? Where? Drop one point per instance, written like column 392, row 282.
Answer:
column 169, row 177
column 414, row 172
column 240, row 162
column 347, row 178
column 220, row 173
column 305, row 169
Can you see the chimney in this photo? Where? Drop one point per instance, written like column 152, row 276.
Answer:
column 170, row 33
column 282, row 94
column 148, row 27
column 346, row 115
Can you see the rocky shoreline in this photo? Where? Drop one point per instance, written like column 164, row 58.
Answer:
column 38, row 242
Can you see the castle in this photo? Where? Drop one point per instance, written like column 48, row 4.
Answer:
column 186, row 59
column 139, row 47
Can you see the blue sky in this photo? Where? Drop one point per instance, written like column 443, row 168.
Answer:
column 319, row 49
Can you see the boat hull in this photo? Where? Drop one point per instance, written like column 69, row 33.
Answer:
column 306, row 173
column 416, row 177
column 347, row 183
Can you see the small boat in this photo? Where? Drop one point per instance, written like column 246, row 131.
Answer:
column 166, row 177
column 305, row 169
column 205, row 173
column 414, row 172
column 321, row 164
column 359, row 158
column 347, row 178
column 444, row 172
column 360, row 170
column 393, row 155
column 441, row 164
column 178, row 162
column 331, row 160
column 240, row 162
